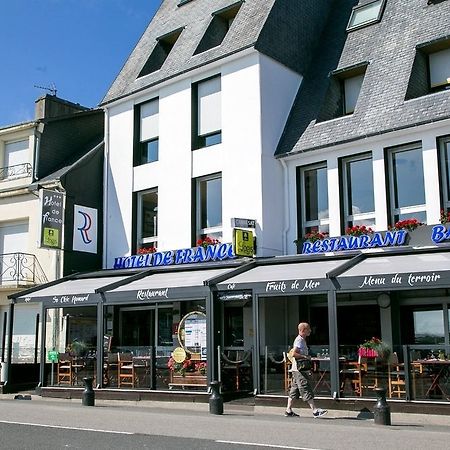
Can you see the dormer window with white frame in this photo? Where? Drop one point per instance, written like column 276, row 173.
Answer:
column 366, row 14
column 16, row 160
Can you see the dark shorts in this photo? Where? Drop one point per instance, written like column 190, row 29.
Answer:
column 301, row 386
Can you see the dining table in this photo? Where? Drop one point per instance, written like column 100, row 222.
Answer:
column 439, row 370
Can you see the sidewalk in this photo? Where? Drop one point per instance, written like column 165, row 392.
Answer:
column 410, row 419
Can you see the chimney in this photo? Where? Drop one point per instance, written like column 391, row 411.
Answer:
column 51, row 106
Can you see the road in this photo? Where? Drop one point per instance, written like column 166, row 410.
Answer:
column 50, row 424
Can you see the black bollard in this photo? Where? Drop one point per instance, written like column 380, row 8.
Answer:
column 88, row 396
column 381, row 410
column 215, row 399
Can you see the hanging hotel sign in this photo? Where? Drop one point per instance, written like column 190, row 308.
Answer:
column 217, row 252
column 52, row 219
column 243, row 242
column 365, row 241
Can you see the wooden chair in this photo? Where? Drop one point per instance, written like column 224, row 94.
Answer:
column 125, row 370
column 64, row 369
column 110, row 368
column 356, row 371
column 396, row 374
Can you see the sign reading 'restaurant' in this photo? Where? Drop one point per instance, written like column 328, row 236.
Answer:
column 217, row 252
column 341, row 243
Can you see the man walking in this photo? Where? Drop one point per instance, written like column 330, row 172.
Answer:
column 301, row 374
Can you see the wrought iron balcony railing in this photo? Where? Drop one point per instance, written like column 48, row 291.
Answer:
column 20, row 170
column 20, row 269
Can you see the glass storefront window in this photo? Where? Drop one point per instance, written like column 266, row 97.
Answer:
column 71, row 345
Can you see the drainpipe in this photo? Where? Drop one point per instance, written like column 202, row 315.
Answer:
column 37, row 148
column 105, row 191
column 287, row 222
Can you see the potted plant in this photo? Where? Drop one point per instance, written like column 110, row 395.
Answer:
column 374, row 348
column 77, row 348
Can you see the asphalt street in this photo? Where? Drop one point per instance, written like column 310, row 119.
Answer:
column 61, row 424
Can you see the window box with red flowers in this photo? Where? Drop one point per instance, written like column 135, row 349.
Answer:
column 313, row 236
column 187, row 373
column 146, row 250
column 445, row 217
column 207, row 241
column 407, row 224
column 358, row 230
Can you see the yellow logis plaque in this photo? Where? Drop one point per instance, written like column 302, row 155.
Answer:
column 243, row 243
column 179, row 355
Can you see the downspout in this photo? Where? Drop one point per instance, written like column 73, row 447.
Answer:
column 37, row 149
column 106, row 190
column 287, row 222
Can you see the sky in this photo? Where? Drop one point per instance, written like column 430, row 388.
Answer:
column 78, row 46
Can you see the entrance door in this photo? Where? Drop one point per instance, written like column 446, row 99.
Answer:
column 137, row 328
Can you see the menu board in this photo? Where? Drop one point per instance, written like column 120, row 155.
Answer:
column 192, row 334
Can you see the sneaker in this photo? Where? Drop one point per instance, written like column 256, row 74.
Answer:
column 290, row 414
column 319, row 413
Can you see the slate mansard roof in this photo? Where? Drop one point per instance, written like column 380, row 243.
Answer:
column 285, row 30
column 389, row 49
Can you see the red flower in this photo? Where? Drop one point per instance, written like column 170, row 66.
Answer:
column 358, row 230
column 407, row 224
column 145, row 250
column 445, row 217
column 206, row 241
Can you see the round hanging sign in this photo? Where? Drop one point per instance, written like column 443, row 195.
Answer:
column 179, row 355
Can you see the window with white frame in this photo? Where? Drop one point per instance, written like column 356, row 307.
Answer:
column 444, row 153
column 16, row 159
column 209, row 207
column 439, row 65
column 314, row 198
column 406, row 183
column 147, row 220
column 147, row 144
column 207, row 104
column 351, row 88
column 357, row 181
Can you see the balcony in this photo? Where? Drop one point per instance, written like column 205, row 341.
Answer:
column 20, row 270
column 17, row 171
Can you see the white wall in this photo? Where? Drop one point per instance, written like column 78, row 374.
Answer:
column 256, row 97
column 426, row 134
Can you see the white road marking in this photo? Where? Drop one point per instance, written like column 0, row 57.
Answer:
column 64, row 428
column 265, row 445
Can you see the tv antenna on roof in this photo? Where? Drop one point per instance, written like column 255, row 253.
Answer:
column 52, row 88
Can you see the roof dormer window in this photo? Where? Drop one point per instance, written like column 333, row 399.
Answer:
column 367, row 14
column 218, row 27
column 164, row 45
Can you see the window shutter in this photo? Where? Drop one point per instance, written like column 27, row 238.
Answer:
column 149, row 120
column 16, row 153
column 352, row 86
column 209, row 106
